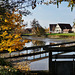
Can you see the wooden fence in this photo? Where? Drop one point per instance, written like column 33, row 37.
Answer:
column 69, row 47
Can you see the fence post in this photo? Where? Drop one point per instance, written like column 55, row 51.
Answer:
column 50, row 62
column 73, row 65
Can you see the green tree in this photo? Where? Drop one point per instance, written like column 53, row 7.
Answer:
column 74, row 22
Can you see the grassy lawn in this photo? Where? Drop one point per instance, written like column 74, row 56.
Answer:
column 63, row 34
column 28, row 34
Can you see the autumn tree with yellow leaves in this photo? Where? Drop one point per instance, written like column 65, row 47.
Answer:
column 10, row 38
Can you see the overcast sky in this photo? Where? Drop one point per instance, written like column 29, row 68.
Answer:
column 51, row 14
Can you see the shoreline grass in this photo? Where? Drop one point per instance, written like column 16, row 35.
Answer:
column 63, row 34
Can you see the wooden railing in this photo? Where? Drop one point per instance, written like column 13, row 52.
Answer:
column 69, row 47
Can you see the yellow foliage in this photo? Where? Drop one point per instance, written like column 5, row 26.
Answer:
column 16, row 36
column 9, row 50
column 6, row 20
column 9, row 39
column 5, row 33
column 1, row 49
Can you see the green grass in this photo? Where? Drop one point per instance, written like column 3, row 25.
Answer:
column 62, row 34
column 28, row 34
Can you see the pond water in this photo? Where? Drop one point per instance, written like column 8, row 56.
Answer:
column 48, row 14
column 43, row 63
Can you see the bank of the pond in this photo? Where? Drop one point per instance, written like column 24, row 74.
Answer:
column 61, row 37
column 66, row 37
column 6, row 68
column 55, row 35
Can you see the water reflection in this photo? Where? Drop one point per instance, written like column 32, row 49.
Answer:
column 35, row 62
column 39, row 65
column 38, row 43
column 43, row 63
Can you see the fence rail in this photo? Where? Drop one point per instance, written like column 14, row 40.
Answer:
column 35, row 47
column 47, row 49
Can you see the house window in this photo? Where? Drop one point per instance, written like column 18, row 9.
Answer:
column 57, row 30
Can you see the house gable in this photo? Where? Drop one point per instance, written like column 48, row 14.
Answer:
column 58, row 29
column 73, row 28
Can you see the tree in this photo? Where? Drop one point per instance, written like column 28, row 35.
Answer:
column 8, row 18
column 23, row 4
column 9, row 40
column 74, row 22
column 37, row 29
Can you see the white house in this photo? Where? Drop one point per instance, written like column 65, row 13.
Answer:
column 73, row 28
column 60, row 28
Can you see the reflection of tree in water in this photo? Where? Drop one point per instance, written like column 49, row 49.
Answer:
column 38, row 43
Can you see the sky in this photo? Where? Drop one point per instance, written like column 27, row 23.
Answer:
column 50, row 14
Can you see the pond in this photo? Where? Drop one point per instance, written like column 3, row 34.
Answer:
column 45, row 15
column 38, row 41
column 36, row 59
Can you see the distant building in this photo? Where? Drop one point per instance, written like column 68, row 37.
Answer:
column 60, row 28
column 73, row 28
column 67, row 30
